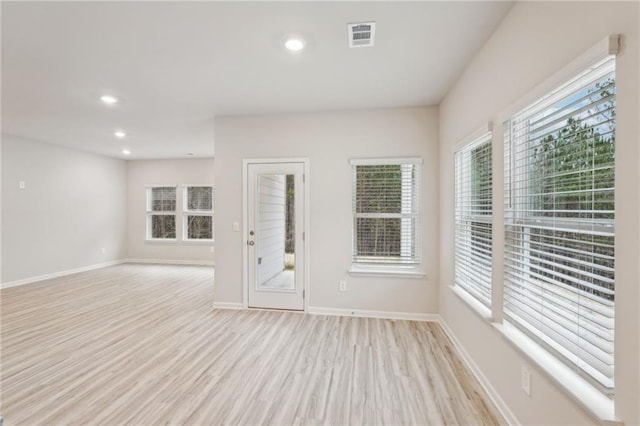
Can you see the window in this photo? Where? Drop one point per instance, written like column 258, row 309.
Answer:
column 386, row 215
column 198, row 213
column 161, row 213
column 559, row 213
column 473, row 216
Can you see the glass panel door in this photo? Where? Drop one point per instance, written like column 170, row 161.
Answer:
column 274, row 237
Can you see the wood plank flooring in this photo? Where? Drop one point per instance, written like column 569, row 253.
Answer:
column 141, row 345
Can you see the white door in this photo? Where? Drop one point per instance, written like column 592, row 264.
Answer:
column 275, row 246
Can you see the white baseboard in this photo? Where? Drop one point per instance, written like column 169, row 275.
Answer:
column 102, row 265
column 172, row 262
column 346, row 312
column 497, row 400
column 373, row 314
column 60, row 274
column 227, row 305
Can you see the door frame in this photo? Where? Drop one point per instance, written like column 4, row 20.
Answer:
column 245, row 223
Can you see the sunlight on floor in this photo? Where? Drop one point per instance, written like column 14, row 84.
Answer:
column 285, row 280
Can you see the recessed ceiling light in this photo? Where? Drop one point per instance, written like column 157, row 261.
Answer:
column 126, row 152
column 119, row 134
column 108, row 99
column 294, row 44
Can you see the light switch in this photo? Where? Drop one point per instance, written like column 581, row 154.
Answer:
column 22, row 185
column 236, row 227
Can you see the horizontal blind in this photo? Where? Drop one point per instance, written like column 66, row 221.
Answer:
column 163, row 199
column 386, row 214
column 198, row 215
column 199, row 198
column 559, row 236
column 161, row 212
column 473, row 218
column 199, row 227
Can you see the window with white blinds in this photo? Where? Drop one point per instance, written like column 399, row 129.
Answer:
column 386, row 214
column 559, row 212
column 161, row 212
column 473, row 218
column 198, row 213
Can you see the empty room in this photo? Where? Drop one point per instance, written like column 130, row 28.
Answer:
column 278, row 213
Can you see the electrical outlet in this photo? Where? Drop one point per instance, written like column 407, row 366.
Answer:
column 236, row 227
column 342, row 285
column 211, row 249
column 525, row 380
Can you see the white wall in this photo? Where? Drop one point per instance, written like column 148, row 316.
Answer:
column 141, row 173
column 271, row 230
column 73, row 206
column 329, row 140
column 534, row 41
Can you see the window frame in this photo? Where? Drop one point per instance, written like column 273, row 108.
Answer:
column 413, row 270
column 186, row 212
column 150, row 213
column 515, row 222
column 590, row 398
column 463, row 188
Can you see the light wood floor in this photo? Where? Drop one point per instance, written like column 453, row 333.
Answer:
column 141, row 345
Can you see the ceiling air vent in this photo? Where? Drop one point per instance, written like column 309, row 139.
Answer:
column 361, row 34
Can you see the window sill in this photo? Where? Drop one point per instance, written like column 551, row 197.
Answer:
column 385, row 273
column 594, row 402
column 161, row 240
column 483, row 312
column 199, row 242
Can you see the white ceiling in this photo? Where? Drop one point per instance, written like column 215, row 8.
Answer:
column 177, row 65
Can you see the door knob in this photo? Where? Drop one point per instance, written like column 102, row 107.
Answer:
column 250, row 243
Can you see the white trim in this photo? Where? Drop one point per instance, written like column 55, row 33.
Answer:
column 227, row 305
column 245, row 220
column 184, row 185
column 606, row 47
column 150, row 213
column 593, row 402
column 161, row 240
column 475, row 136
column 245, row 227
column 373, row 314
column 61, row 273
column 210, row 243
column 411, row 210
column 384, row 161
column 171, row 262
column 491, row 392
column 307, row 234
column 588, row 397
column 498, row 220
column 387, row 272
column 186, row 213
column 274, row 160
column 472, row 302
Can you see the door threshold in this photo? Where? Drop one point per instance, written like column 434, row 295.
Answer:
column 295, row 311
